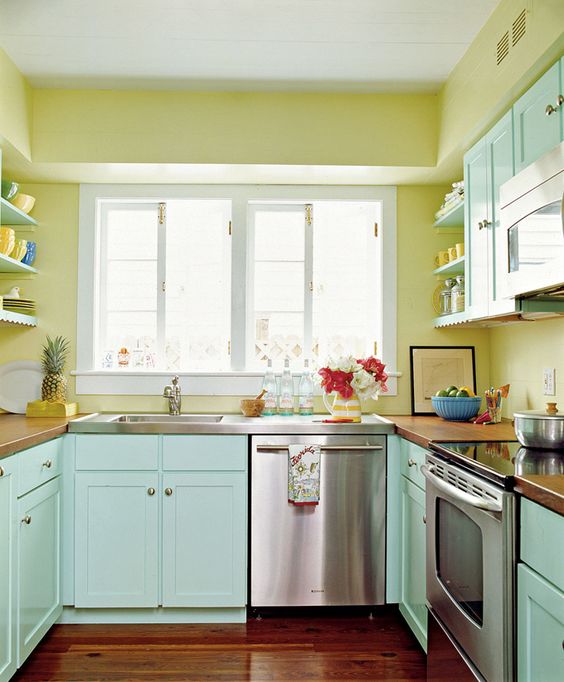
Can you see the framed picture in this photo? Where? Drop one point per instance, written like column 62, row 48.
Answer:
column 437, row 367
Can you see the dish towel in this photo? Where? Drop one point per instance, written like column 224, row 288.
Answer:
column 304, row 468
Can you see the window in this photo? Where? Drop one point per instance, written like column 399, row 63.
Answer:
column 211, row 281
column 315, row 281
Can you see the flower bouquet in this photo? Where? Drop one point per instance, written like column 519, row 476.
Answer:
column 353, row 380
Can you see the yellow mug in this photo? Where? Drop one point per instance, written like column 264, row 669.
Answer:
column 452, row 253
column 459, row 250
column 441, row 258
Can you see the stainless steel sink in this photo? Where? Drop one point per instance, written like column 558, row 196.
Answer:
column 169, row 418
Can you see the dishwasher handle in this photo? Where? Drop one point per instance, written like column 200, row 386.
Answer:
column 456, row 494
column 269, row 448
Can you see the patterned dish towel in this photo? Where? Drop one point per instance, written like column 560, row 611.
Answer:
column 304, row 465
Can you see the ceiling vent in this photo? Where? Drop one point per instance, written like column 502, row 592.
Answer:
column 502, row 48
column 519, row 27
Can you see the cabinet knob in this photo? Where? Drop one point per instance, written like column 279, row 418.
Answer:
column 550, row 109
column 411, row 462
column 47, row 464
column 424, row 518
column 26, row 519
column 168, row 492
column 1, row 471
column 151, row 491
column 481, row 225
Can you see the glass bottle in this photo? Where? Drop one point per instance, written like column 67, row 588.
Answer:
column 286, row 395
column 446, row 296
column 305, row 391
column 269, row 385
column 457, row 295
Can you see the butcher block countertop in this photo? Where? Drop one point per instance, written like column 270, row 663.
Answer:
column 18, row 432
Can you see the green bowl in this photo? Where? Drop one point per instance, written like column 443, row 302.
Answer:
column 9, row 189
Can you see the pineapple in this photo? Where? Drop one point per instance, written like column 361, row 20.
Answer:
column 54, row 385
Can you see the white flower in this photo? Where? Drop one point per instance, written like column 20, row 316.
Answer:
column 364, row 384
column 344, row 364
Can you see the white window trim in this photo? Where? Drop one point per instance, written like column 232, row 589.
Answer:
column 235, row 382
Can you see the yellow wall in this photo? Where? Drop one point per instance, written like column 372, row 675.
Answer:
column 15, row 107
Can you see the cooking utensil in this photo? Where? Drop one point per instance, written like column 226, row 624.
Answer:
column 540, row 428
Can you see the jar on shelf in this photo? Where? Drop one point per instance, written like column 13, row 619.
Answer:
column 445, row 296
column 457, row 295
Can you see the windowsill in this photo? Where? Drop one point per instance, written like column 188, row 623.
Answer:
column 152, row 382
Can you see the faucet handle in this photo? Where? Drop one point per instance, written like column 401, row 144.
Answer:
column 167, row 392
column 175, row 380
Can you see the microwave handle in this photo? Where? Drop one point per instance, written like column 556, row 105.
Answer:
column 456, row 494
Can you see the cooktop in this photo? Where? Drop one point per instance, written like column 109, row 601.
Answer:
column 500, row 461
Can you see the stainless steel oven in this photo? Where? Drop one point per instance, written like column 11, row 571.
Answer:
column 470, row 571
column 532, row 217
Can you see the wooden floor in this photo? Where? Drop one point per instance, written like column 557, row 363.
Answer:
column 273, row 648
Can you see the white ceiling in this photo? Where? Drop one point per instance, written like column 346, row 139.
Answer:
column 334, row 45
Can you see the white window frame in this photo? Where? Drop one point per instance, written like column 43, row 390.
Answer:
column 237, row 381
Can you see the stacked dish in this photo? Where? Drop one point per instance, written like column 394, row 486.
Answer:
column 19, row 305
column 7, row 240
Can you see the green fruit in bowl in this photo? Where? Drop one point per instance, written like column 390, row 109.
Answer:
column 462, row 394
column 451, row 388
column 441, row 394
column 453, row 393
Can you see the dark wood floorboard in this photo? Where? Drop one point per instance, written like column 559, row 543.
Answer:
column 327, row 648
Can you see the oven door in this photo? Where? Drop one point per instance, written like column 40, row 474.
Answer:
column 470, row 565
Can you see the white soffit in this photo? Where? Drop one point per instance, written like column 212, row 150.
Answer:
column 329, row 45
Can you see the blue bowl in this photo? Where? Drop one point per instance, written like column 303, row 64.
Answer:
column 456, row 409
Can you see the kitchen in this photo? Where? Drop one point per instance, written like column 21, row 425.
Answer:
column 414, row 141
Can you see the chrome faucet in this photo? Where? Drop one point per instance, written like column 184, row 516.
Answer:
column 174, row 396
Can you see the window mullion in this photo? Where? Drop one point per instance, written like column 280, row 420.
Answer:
column 161, row 286
column 308, row 281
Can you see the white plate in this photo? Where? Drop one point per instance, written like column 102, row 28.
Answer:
column 20, row 383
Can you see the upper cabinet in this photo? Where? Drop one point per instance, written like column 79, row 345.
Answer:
column 487, row 166
column 539, row 117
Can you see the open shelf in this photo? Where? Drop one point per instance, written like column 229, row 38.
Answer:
column 452, row 319
column 10, row 215
column 454, row 267
column 454, row 218
column 8, row 264
column 8, row 317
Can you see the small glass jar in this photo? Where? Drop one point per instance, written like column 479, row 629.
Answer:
column 457, row 295
column 445, row 296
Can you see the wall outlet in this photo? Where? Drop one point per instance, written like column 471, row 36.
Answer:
column 548, row 381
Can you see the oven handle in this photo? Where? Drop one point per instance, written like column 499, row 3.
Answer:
column 457, row 494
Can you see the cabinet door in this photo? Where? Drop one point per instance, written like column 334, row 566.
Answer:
column 540, row 628
column 500, row 168
column 39, row 567
column 412, row 603
column 204, row 539
column 7, row 568
column 116, row 539
column 535, row 132
column 475, row 233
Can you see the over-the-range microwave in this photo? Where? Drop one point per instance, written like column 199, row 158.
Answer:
column 532, row 220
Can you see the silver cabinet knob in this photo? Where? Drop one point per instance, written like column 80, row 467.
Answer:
column 1, row 471
column 26, row 519
column 481, row 225
column 411, row 462
column 151, row 491
column 424, row 518
column 549, row 109
column 168, row 492
column 47, row 464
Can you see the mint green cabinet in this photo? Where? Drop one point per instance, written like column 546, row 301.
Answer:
column 540, row 622
column 487, row 166
column 536, row 132
column 116, row 539
column 39, row 564
column 413, row 541
column 8, row 468
column 204, row 547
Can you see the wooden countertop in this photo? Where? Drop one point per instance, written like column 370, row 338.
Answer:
column 18, row 432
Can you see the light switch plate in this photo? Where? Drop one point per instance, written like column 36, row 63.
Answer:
column 549, row 387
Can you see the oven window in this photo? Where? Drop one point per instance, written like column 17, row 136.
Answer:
column 536, row 239
column 459, row 559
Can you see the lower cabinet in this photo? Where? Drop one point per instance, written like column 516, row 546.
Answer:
column 39, row 593
column 540, row 595
column 412, row 541
column 8, row 658
column 174, row 536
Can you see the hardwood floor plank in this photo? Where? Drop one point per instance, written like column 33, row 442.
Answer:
column 272, row 649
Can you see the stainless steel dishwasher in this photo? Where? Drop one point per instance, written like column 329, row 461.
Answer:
column 330, row 554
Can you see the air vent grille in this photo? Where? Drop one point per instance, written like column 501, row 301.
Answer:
column 502, row 47
column 519, row 28
column 456, row 478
